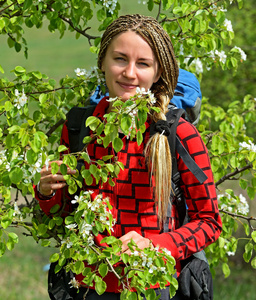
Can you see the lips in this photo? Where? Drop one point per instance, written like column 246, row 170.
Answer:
column 127, row 86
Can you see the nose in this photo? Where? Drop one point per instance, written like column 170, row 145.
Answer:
column 130, row 70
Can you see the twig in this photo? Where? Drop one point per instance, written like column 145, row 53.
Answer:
column 54, row 127
column 248, row 219
column 232, row 174
column 7, row 7
column 159, row 9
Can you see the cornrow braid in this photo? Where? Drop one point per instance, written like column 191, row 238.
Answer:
column 157, row 151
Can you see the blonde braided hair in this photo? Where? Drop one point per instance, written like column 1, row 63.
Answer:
column 157, row 151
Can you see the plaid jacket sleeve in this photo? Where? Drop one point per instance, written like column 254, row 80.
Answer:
column 205, row 222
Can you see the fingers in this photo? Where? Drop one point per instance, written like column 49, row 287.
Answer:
column 51, row 182
column 140, row 241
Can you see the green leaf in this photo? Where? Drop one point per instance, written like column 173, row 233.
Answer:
column 253, row 263
column 37, row 74
column 1, row 69
column 109, row 240
column 117, row 144
column 54, row 168
column 100, row 286
column 126, row 123
column 92, row 122
column 19, row 69
column 79, row 266
column 225, row 269
column 62, row 148
column 54, row 209
column 2, row 248
column 63, row 169
column 16, row 175
column 51, row 224
column 139, row 137
column 14, row 237
column 173, row 287
column 42, row 229
column 251, row 192
column 254, row 236
column 54, row 257
column 103, row 270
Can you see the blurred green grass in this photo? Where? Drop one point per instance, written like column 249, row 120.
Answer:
column 22, row 275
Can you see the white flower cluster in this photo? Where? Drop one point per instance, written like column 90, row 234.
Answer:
column 17, row 213
column 249, row 146
column 221, row 55
column 98, row 205
column 3, row 160
column 214, row 8
column 74, row 283
column 93, row 72
column 68, row 242
column 242, row 53
column 237, row 205
column 142, row 2
column 142, row 92
column 148, row 261
column 20, row 100
column 110, row 5
column 226, row 247
column 228, row 25
column 197, row 63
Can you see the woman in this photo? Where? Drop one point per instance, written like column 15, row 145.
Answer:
column 136, row 52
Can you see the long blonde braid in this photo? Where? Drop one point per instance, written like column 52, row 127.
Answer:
column 157, row 151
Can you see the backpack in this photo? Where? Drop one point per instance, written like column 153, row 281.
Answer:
column 195, row 280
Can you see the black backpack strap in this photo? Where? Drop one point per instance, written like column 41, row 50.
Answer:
column 77, row 130
column 173, row 117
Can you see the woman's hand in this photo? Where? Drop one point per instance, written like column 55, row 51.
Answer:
column 140, row 241
column 49, row 182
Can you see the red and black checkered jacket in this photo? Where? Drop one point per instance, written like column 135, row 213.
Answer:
column 132, row 199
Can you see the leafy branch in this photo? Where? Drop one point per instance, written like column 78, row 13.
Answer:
column 234, row 173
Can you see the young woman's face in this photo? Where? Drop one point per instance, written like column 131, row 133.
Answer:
column 129, row 63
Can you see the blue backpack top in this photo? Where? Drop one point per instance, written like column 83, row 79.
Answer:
column 187, row 95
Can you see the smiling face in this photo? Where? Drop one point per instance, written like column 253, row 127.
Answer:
column 129, row 63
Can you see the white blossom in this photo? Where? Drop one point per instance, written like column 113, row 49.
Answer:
column 242, row 53
column 74, row 283
column 17, row 211
column 168, row 252
column 20, row 100
column 112, row 99
column 142, row 92
column 68, row 243
column 135, row 263
column 249, row 146
column 85, row 229
column 221, row 55
column 214, row 8
column 228, row 25
column 80, row 72
column 237, row 205
column 71, row 226
column 110, row 5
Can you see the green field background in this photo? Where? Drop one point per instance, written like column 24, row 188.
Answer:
column 22, row 271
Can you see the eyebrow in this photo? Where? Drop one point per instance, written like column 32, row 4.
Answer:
column 142, row 58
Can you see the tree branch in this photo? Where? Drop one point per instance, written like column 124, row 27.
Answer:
column 232, row 174
column 248, row 219
column 191, row 13
column 159, row 9
column 54, row 127
column 7, row 6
